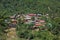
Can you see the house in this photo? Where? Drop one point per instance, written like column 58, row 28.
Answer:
column 32, row 14
column 38, row 24
column 42, row 21
column 27, row 17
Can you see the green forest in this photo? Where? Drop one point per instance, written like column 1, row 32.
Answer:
column 14, row 15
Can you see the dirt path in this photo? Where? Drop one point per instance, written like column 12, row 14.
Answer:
column 11, row 35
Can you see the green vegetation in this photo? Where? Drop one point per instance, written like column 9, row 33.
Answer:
column 51, row 33
column 30, row 6
column 51, row 7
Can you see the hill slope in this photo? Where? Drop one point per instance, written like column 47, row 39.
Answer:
column 30, row 6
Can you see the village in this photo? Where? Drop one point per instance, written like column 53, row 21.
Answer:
column 35, row 19
column 29, row 19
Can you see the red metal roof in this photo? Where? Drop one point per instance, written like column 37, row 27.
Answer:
column 42, row 20
column 32, row 14
column 38, row 24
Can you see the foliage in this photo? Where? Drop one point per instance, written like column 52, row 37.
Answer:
column 52, row 7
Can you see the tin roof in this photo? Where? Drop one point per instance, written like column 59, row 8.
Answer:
column 32, row 14
column 37, row 24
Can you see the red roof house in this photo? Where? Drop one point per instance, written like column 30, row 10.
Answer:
column 32, row 14
column 38, row 24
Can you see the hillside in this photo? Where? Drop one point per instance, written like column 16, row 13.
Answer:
column 30, row 6
column 30, row 19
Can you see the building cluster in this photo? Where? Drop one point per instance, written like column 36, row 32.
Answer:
column 35, row 19
column 27, row 19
